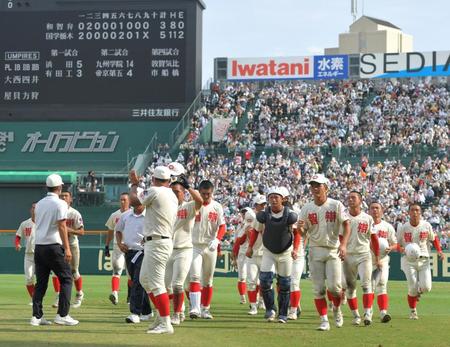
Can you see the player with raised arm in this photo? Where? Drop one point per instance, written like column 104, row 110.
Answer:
column 414, row 239
column 388, row 242
column 161, row 212
column 358, row 260
column 321, row 220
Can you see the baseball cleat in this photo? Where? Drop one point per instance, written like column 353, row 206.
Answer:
column 39, row 321
column 67, row 320
column 386, row 317
column 292, row 315
column 253, row 310
column 324, row 326
column 338, row 317
column 206, row 314
column 194, row 314
column 161, row 328
column 146, row 317
column 282, row 319
column 182, row 317
column 367, row 319
column 243, row 300
column 114, row 298
column 133, row 318
column 413, row 315
column 175, row 320
column 270, row 316
column 155, row 323
column 356, row 320
column 78, row 299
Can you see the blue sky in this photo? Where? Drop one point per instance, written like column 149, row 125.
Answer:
column 260, row 28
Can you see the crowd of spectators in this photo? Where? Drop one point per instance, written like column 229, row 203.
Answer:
column 238, row 180
column 295, row 119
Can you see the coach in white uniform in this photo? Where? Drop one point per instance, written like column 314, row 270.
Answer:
column 321, row 221
column 52, row 253
column 26, row 232
column 162, row 205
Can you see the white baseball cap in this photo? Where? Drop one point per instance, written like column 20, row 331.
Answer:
column 54, row 180
column 319, row 178
column 285, row 192
column 162, row 172
column 259, row 199
column 176, row 168
column 275, row 190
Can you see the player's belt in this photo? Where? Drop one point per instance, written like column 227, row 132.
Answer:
column 155, row 237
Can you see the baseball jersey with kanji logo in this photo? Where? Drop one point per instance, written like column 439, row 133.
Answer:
column 74, row 221
column 112, row 222
column 361, row 229
column 421, row 234
column 247, row 223
column 182, row 230
column 385, row 230
column 207, row 222
column 26, row 232
column 322, row 223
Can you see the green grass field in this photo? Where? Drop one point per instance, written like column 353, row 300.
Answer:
column 102, row 324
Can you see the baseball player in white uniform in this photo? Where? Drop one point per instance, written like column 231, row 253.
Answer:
column 416, row 265
column 321, row 221
column 298, row 265
column 161, row 212
column 240, row 248
column 358, row 260
column 26, row 232
column 254, row 257
column 75, row 228
column 209, row 229
column 380, row 276
column 117, row 256
column 179, row 263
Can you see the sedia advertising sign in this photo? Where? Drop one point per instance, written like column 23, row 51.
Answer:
column 412, row 64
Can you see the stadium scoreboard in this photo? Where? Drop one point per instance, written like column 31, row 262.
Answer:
column 98, row 60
